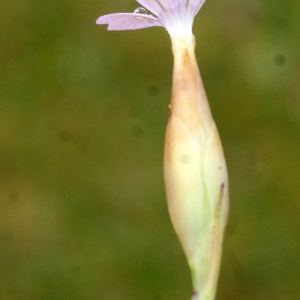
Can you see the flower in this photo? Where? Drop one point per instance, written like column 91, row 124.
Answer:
column 176, row 16
column 194, row 165
column 195, row 172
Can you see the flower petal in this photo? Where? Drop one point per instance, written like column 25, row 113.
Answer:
column 176, row 15
column 128, row 21
column 194, row 6
column 180, row 7
column 161, row 8
column 157, row 7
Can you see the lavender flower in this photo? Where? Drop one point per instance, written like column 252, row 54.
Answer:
column 194, row 166
column 176, row 16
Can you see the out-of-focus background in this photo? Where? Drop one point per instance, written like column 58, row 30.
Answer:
column 82, row 119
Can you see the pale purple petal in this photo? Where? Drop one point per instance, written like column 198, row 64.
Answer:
column 161, row 8
column 128, row 21
column 180, row 7
column 156, row 7
column 176, row 15
column 194, row 5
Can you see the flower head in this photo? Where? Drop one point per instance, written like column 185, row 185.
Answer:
column 176, row 16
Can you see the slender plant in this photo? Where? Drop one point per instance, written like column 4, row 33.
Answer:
column 194, row 166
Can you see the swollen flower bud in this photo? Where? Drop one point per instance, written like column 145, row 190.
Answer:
column 195, row 171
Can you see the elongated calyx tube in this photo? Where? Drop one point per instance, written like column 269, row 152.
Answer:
column 194, row 165
column 195, row 171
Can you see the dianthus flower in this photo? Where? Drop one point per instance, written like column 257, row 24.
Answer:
column 194, row 166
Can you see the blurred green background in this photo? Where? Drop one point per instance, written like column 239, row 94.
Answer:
column 82, row 119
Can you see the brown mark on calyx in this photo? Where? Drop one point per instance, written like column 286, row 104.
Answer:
column 219, row 204
column 222, row 190
column 186, row 59
column 187, row 64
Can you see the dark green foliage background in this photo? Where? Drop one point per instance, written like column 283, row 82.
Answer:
column 82, row 119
